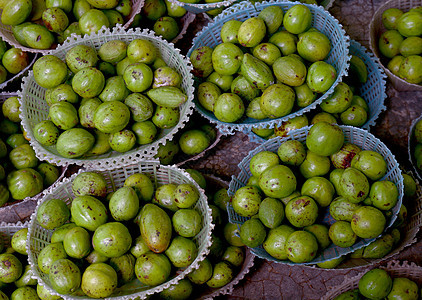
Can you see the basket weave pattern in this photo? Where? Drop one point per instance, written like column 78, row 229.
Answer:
column 376, row 28
column 321, row 20
column 7, row 230
column 39, row 237
column 34, row 108
column 394, row 268
column 360, row 137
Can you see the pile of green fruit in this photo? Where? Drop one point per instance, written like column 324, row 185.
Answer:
column 115, row 98
column 21, row 173
column 227, row 252
column 41, row 24
column 104, row 240
column 401, row 43
column 379, row 284
column 12, row 61
column 262, row 66
column 194, row 139
column 344, row 107
column 164, row 17
column 301, row 184
column 16, row 276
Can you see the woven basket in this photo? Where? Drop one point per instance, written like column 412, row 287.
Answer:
column 394, row 268
column 373, row 91
column 376, row 28
column 360, row 137
column 39, row 237
column 34, row 108
column 203, row 7
column 7, row 35
column 15, row 78
column 7, row 230
column 411, row 144
column 6, row 209
column 321, row 20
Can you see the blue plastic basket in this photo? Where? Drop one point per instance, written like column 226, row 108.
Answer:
column 360, row 137
column 373, row 90
column 321, row 20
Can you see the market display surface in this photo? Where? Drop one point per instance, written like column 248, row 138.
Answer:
column 216, row 184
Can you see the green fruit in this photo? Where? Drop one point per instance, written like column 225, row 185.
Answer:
column 222, row 274
column 380, row 247
column 86, row 111
column 88, row 82
column 168, row 96
column 342, row 159
column 141, row 51
column 92, row 21
column 321, row 76
column 153, row 219
column 152, row 268
column 314, row 165
column 52, row 213
column 354, row 185
column 174, row 10
column 181, row 290
column 139, row 247
column 10, row 268
column 111, row 117
column 166, row 27
column 166, row 76
column 142, row 184
column 55, row 19
column 253, row 110
column 140, row 106
column 26, row 278
column 226, row 58
column 24, row 183
column 49, row 71
column 187, row 222
column 79, row 8
column 341, row 234
column 114, row 90
column 368, row 222
column 267, row 52
column 325, row 139
column 403, row 288
column 229, row 108
column 301, row 246
column 65, row 276
column 25, row 292
column 342, row 209
column 185, row 195
column 181, row 252
column 257, row 72
column 112, row 239
column 409, row 185
column 242, row 87
column 246, row 201
column 262, row 161
column 411, row 46
column 321, row 234
column 15, row 60
column 331, row 264
column 339, row 101
column 194, row 141
column 390, row 17
column 89, row 183
column 23, row 157
column 229, row 30
column 292, row 152
column 10, row 109
column 62, row 92
column 114, row 17
column 301, row 211
column 370, row 163
column 271, row 212
column 88, row 212
column 207, row 95
column 80, row 57
column 389, row 43
column 410, row 24
column 74, row 143
column 201, row 274
column 64, row 115
column 222, row 81
column 285, row 41
column 77, row 242
column 46, row 133
column 276, row 240
column 251, row 32
column 273, row 17
column 201, row 59
column 18, row 241
column 297, row 19
column 154, row 9
column 99, row 280
column 290, row 71
column 252, row 233
column 15, row 12
column 277, row 181
column 45, row 294
column 375, row 284
column 384, row 194
column 232, row 235
column 124, row 204
column 234, row 255
column 313, row 46
column 277, row 100
column 60, row 232
column 320, row 189
column 410, row 69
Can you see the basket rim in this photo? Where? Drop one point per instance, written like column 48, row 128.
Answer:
column 246, row 6
column 154, row 289
column 289, row 135
column 392, row 265
column 203, row 7
column 398, row 83
column 411, row 143
column 141, row 151
column 16, row 44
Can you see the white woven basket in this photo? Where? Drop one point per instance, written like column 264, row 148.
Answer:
column 203, row 7
column 376, row 28
column 7, row 230
column 321, row 19
column 7, row 35
column 39, row 237
column 7, row 208
column 357, row 136
column 34, row 108
column 394, row 268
